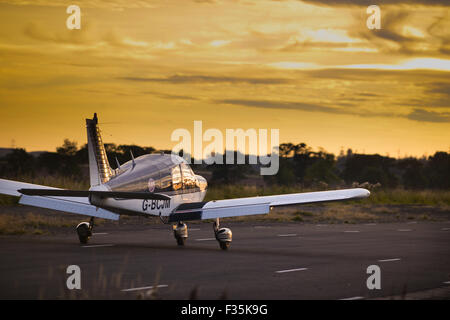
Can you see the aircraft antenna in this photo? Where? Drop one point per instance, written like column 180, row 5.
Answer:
column 132, row 158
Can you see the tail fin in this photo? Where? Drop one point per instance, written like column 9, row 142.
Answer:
column 99, row 168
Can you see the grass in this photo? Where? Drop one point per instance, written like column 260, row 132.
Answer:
column 38, row 224
column 379, row 196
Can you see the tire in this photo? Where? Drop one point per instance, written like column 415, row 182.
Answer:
column 181, row 241
column 224, row 245
column 84, row 233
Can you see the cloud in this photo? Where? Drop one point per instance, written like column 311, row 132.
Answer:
column 302, row 106
column 170, row 96
column 442, row 88
column 405, row 32
column 182, row 79
column 279, row 105
column 428, row 116
column 37, row 31
column 115, row 5
column 416, row 115
column 366, row 3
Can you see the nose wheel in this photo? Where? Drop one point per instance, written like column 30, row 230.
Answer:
column 180, row 232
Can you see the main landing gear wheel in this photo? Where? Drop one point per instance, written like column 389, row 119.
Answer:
column 223, row 235
column 84, row 230
column 180, row 232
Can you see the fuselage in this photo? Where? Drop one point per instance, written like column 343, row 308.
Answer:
column 154, row 173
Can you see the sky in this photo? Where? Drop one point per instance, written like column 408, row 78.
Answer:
column 312, row 69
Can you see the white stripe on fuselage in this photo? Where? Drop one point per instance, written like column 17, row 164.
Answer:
column 150, row 207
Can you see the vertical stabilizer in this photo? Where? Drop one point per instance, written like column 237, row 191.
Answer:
column 99, row 168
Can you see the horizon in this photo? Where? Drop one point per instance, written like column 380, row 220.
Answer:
column 313, row 149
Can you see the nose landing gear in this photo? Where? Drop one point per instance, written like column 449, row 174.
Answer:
column 180, row 232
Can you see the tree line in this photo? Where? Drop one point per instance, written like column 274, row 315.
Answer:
column 299, row 165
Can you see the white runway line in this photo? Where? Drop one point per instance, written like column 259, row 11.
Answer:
column 205, row 239
column 287, row 235
column 370, row 224
column 99, row 233
column 99, row 245
column 194, row 229
column 445, row 229
column 404, row 230
column 291, row 270
column 389, row 260
column 145, row 288
column 351, row 231
column 446, row 282
column 353, row 298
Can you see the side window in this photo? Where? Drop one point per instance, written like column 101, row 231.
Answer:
column 176, row 178
column 154, row 182
column 166, row 180
column 188, row 176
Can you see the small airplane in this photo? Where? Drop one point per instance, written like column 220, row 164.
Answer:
column 162, row 185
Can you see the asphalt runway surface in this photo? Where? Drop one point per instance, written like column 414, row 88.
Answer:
column 265, row 261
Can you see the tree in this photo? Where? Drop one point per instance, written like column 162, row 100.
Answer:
column 69, row 148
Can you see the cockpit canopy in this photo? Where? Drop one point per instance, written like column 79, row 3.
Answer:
column 158, row 173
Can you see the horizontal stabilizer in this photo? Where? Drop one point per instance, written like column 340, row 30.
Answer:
column 101, row 194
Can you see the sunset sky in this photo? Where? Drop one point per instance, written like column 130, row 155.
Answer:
column 311, row 69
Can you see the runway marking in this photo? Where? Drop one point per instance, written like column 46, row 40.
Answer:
column 404, row 230
column 287, row 235
column 445, row 229
column 321, row 225
column 351, row 231
column 446, row 282
column 205, row 239
column 370, row 224
column 99, row 245
column 194, row 229
column 389, row 260
column 145, row 288
column 291, row 270
column 99, row 233
column 261, row 227
column 353, row 298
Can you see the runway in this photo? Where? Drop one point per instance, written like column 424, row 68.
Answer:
column 265, row 261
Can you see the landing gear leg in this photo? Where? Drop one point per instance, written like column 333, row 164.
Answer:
column 84, row 230
column 223, row 235
column 180, row 232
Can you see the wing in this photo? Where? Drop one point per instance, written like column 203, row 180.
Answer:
column 258, row 205
column 72, row 204
column 87, row 193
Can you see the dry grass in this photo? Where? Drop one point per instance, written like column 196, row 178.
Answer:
column 378, row 196
column 37, row 224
